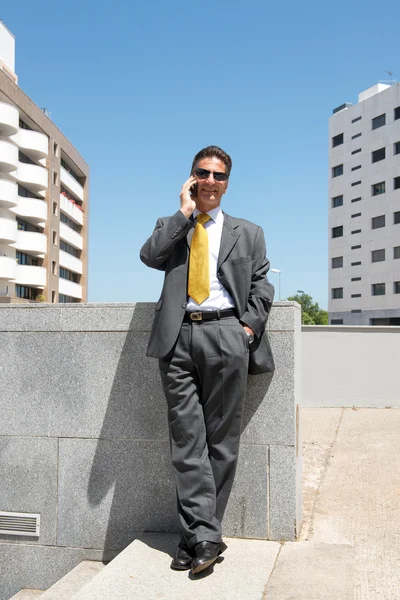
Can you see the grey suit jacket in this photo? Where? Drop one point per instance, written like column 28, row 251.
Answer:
column 241, row 269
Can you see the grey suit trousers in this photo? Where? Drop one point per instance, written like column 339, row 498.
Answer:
column 204, row 379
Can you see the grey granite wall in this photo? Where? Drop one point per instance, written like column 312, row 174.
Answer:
column 84, row 442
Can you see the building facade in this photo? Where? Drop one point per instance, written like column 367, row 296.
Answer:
column 364, row 209
column 44, row 200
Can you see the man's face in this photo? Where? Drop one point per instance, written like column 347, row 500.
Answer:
column 209, row 190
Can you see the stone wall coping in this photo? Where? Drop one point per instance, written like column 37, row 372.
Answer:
column 112, row 316
column 351, row 328
column 60, row 306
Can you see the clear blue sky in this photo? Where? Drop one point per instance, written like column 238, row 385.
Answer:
column 140, row 87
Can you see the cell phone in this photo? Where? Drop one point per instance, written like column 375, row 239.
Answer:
column 193, row 190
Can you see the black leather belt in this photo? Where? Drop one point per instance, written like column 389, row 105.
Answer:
column 210, row 315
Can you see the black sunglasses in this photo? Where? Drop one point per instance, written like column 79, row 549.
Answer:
column 205, row 174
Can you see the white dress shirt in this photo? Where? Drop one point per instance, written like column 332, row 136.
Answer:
column 219, row 299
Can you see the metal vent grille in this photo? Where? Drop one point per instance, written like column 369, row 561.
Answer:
column 12, row 523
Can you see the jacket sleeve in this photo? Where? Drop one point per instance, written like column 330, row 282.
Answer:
column 261, row 291
column 168, row 231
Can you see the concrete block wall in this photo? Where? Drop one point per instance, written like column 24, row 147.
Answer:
column 84, row 438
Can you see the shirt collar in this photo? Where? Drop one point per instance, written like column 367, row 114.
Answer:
column 214, row 213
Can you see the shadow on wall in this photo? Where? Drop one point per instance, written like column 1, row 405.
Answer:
column 131, row 480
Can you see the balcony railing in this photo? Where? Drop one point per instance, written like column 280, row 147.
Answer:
column 68, row 181
column 32, row 142
column 71, row 208
column 9, row 119
column 70, row 236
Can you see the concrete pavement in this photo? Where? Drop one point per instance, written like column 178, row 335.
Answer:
column 349, row 545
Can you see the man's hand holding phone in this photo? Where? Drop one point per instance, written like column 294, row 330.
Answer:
column 188, row 195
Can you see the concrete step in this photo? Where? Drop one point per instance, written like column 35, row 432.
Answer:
column 27, row 594
column 68, row 585
column 142, row 572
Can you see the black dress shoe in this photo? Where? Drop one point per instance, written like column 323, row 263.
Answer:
column 205, row 554
column 183, row 558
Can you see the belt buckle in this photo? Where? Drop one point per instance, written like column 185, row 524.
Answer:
column 196, row 316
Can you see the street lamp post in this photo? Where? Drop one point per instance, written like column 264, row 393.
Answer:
column 279, row 273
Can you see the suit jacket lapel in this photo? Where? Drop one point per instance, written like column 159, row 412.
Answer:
column 190, row 234
column 230, row 236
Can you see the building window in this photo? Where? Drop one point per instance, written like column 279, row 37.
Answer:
column 55, row 177
column 356, row 264
column 356, row 231
column 377, row 222
column 396, row 183
column 63, row 298
column 337, row 140
column 397, row 287
column 396, row 148
column 356, row 295
column 26, row 259
column 356, row 247
column 25, row 193
column 379, row 121
column 356, row 215
column 396, row 218
column 336, row 321
column 356, row 310
column 396, row 252
column 54, row 237
column 28, row 293
column 23, row 125
column 356, row 119
column 356, row 168
column 378, row 155
column 356, row 199
column 25, row 159
column 70, row 249
column 54, row 267
column 337, row 231
column 338, row 170
column 337, row 201
column 70, row 222
column 356, row 151
column 53, row 296
column 23, row 225
column 356, row 183
column 378, row 289
column 378, row 255
column 337, row 262
column 337, row 293
column 378, row 188
column 55, row 148
column 357, row 135
column 70, row 275
column 397, row 113
column 55, row 208
column 356, row 279
column 392, row 321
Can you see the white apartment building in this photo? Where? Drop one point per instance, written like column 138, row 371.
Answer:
column 364, row 209
column 43, row 199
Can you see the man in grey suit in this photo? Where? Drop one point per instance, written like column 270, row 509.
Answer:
column 208, row 333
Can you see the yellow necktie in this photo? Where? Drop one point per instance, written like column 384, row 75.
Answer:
column 199, row 271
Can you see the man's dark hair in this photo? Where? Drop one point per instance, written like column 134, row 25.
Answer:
column 211, row 151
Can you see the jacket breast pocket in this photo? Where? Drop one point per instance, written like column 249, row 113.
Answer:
column 242, row 260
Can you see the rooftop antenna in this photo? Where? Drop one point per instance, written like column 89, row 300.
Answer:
column 390, row 81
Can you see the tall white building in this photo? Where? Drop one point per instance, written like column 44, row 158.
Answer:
column 43, row 199
column 364, row 209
